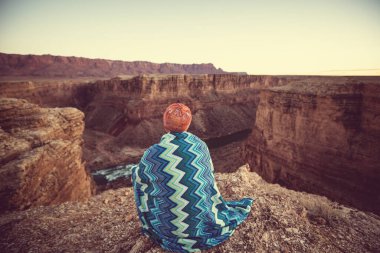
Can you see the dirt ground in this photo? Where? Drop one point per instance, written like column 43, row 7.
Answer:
column 281, row 220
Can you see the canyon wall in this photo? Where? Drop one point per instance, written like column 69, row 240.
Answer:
column 52, row 93
column 322, row 137
column 221, row 105
column 50, row 66
column 123, row 116
column 131, row 110
column 40, row 155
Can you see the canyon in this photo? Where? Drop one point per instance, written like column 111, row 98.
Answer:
column 309, row 133
column 123, row 116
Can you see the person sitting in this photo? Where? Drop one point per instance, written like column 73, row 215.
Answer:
column 177, row 199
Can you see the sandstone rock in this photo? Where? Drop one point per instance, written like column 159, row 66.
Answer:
column 321, row 137
column 40, row 155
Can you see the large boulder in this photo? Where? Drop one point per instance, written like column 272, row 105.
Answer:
column 40, row 155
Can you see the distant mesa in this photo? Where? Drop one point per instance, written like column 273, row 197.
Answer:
column 16, row 65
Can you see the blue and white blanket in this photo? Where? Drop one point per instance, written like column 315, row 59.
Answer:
column 178, row 202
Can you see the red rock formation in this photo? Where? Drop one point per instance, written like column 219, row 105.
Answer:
column 321, row 137
column 40, row 155
column 69, row 67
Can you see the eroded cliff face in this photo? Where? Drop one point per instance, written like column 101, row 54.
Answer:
column 123, row 116
column 321, row 137
column 52, row 93
column 40, row 155
column 119, row 107
column 130, row 111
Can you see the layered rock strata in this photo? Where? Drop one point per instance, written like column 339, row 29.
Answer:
column 123, row 116
column 15, row 65
column 131, row 110
column 322, row 138
column 40, row 155
column 53, row 93
column 319, row 134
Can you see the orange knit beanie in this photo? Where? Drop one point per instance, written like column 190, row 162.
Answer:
column 177, row 118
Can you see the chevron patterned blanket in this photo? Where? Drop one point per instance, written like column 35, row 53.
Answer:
column 178, row 202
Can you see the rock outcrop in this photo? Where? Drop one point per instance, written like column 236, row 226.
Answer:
column 322, row 138
column 50, row 66
column 281, row 220
column 40, row 155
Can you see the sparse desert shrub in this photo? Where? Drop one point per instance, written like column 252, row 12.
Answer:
column 318, row 207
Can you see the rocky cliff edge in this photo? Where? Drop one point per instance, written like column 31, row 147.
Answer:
column 281, row 220
column 40, row 155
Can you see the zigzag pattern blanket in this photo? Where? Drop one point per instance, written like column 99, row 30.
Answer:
column 178, row 202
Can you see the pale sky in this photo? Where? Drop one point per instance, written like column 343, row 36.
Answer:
column 258, row 37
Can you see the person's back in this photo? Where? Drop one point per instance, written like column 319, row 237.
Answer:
column 178, row 202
